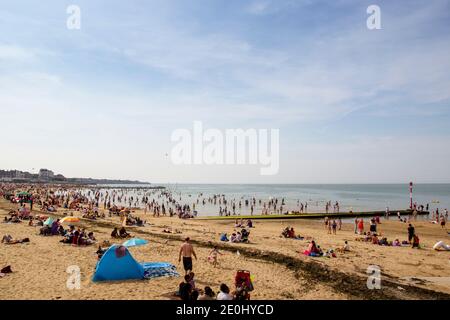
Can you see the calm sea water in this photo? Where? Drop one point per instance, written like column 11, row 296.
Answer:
column 356, row 197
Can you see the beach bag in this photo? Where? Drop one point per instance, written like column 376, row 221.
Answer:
column 6, row 269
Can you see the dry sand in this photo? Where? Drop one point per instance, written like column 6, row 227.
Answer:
column 278, row 270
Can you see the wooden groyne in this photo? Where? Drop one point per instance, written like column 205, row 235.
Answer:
column 316, row 215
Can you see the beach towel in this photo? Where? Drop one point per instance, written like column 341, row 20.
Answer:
column 159, row 269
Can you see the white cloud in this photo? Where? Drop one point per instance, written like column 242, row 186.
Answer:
column 15, row 53
column 258, row 7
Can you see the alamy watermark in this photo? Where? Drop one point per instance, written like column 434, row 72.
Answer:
column 227, row 147
column 74, row 279
column 73, row 21
column 373, row 22
column 374, row 278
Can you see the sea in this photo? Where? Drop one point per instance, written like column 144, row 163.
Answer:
column 354, row 197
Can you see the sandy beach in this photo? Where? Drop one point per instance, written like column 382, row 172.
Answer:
column 279, row 271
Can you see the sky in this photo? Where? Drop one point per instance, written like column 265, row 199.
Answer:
column 352, row 105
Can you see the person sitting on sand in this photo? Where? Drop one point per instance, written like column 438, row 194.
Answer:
column 61, row 230
column 290, row 233
column 123, row 233
column 244, row 235
column 192, row 280
column 237, row 224
column 185, row 289
column 319, row 251
column 224, row 293
column 45, row 231
column 115, row 233
column 345, row 248
column 54, row 227
column 249, row 223
column 90, row 238
column 312, row 250
column 241, row 292
column 207, row 294
column 285, row 232
column 223, row 237
column 238, row 237
column 233, row 237
column 100, row 252
column 75, row 237
column 396, row 243
column 375, row 239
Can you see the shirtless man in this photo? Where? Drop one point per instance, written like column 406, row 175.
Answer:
column 187, row 251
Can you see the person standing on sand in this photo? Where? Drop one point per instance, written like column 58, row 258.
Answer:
column 334, row 226
column 361, row 226
column 411, row 232
column 356, row 225
column 187, row 251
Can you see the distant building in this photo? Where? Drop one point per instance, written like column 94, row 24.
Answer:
column 45, row 174
column 59, row 177
column 18, row 174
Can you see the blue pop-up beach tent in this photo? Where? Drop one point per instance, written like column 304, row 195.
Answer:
column 117, row 263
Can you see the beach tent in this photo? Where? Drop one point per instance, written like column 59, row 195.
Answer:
column 117, row 263
column 440, row 245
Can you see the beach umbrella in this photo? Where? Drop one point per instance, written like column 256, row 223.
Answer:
column 49, row 221
column 69, row 220
column 134, row 242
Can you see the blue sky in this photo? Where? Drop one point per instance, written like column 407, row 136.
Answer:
column 352, row 104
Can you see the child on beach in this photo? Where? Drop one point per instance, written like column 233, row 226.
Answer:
column 334, row 226
column 360, row 226
column 415, row 243
column 213, row 256
column 192, row 280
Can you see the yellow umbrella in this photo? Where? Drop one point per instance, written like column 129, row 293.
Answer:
column 69, row 220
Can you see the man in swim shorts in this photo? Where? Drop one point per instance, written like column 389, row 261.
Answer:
column 187, row 251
